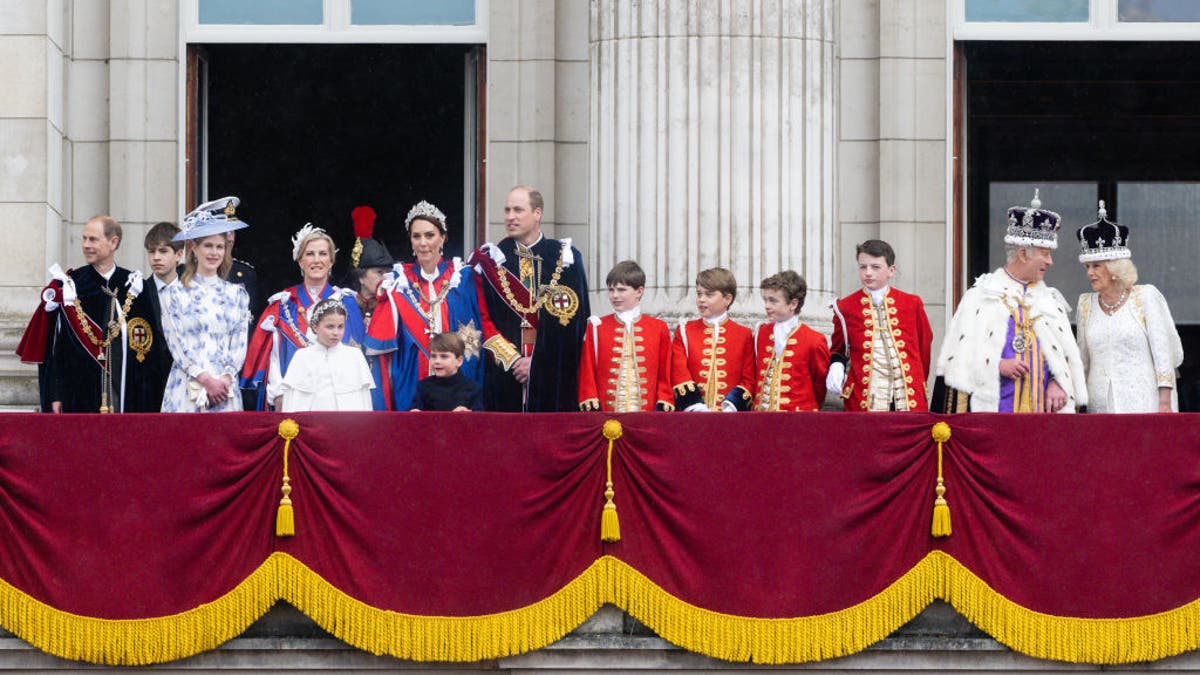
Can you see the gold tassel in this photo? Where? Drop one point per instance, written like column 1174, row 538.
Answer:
column 285, row 520
column 941, row 510
column 610, row 526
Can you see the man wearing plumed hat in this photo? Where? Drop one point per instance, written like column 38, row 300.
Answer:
column 1010, row 346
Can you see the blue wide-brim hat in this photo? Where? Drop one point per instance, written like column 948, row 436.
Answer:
column 215, row 217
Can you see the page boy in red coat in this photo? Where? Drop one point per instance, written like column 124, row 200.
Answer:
column 712, row 358
column 792, row 359
column 881, row 339
column 626, row 361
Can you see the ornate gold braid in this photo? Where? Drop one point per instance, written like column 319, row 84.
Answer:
column 113, row 331
column 541, row 299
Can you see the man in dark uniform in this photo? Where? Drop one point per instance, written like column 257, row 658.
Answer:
column 536, row 294
column 243, row 273
column 80, row 335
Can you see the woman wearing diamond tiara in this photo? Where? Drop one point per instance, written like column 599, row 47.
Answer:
column 422, row 299
column 204, row 317
column 1126, row 335
column 283, row 327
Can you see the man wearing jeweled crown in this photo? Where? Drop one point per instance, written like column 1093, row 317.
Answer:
column 1010, row 347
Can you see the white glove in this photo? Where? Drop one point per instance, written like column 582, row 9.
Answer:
column 836, row 377
column 696, row 407
column 728, row 406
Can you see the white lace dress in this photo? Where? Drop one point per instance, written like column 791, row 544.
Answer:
column 1127, row 356
column 205, row 326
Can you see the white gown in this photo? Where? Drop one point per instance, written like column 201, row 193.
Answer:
column 327, row 378
column 1127, row 356
column 205, row 324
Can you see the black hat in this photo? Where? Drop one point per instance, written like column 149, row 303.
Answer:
column 374, row 254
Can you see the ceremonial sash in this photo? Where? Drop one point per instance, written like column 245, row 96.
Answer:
column 75, row 320
column 491, row 271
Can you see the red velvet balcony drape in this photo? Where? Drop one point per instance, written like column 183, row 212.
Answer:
column 761, row 537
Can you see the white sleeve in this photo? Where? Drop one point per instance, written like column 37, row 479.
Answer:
column 1166, row 350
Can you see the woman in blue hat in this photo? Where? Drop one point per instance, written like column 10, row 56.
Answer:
column 204, row 317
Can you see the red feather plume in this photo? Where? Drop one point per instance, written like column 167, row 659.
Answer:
column 364, row 221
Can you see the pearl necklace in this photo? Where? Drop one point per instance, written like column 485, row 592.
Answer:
column 1109, row 309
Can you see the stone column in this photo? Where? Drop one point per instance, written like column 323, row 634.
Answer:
column 712, row 143
column 32, row 45
column 143, row 164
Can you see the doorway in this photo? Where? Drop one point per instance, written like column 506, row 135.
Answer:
column 306, row 132
column 1085, row 121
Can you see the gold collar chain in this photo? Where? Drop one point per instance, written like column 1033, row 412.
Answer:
column 541, row 297
column 113, row 329
column 291, row 322
column 419, row 297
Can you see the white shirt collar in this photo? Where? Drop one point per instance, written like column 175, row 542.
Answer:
column 877, row 296
column 107, row 275
column 716, row 321
column 630, row 316
column 782, row 330
column 429, row 276
column 523, row 247
column 159, row 284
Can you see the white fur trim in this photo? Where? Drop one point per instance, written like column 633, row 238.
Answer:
column 1027, row 241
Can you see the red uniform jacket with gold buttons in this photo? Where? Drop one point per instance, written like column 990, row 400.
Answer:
column 728, row 364
column 910, row 331
column 599, row 364
column 804, row 365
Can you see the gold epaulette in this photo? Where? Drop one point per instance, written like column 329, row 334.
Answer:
column 504, row 352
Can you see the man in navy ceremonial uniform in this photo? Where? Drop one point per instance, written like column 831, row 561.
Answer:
column 536, row 294
column 80, row 335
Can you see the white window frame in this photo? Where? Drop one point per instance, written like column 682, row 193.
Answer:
column 336, row 28
column 1102, row 24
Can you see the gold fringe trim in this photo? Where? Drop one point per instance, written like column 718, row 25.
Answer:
column 444, row 638
column 139, row 642
column 608, row 580
column 1073, row 639
column 773, row 641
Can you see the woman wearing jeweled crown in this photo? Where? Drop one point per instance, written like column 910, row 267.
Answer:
column 283, row 327
column 1127, row 338
column 424, row 298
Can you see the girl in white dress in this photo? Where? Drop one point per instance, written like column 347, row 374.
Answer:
column 1126, row 334
column 328, row 374
column 204, row 317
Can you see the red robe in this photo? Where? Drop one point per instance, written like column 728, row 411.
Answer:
column 805, row 362
column 910, row 330
column 692, row 361
column 599, row 364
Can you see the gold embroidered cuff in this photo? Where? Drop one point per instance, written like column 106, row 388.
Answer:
column 590, row 405
column 503, row 351
column 1166, row 379
column 685, row 388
